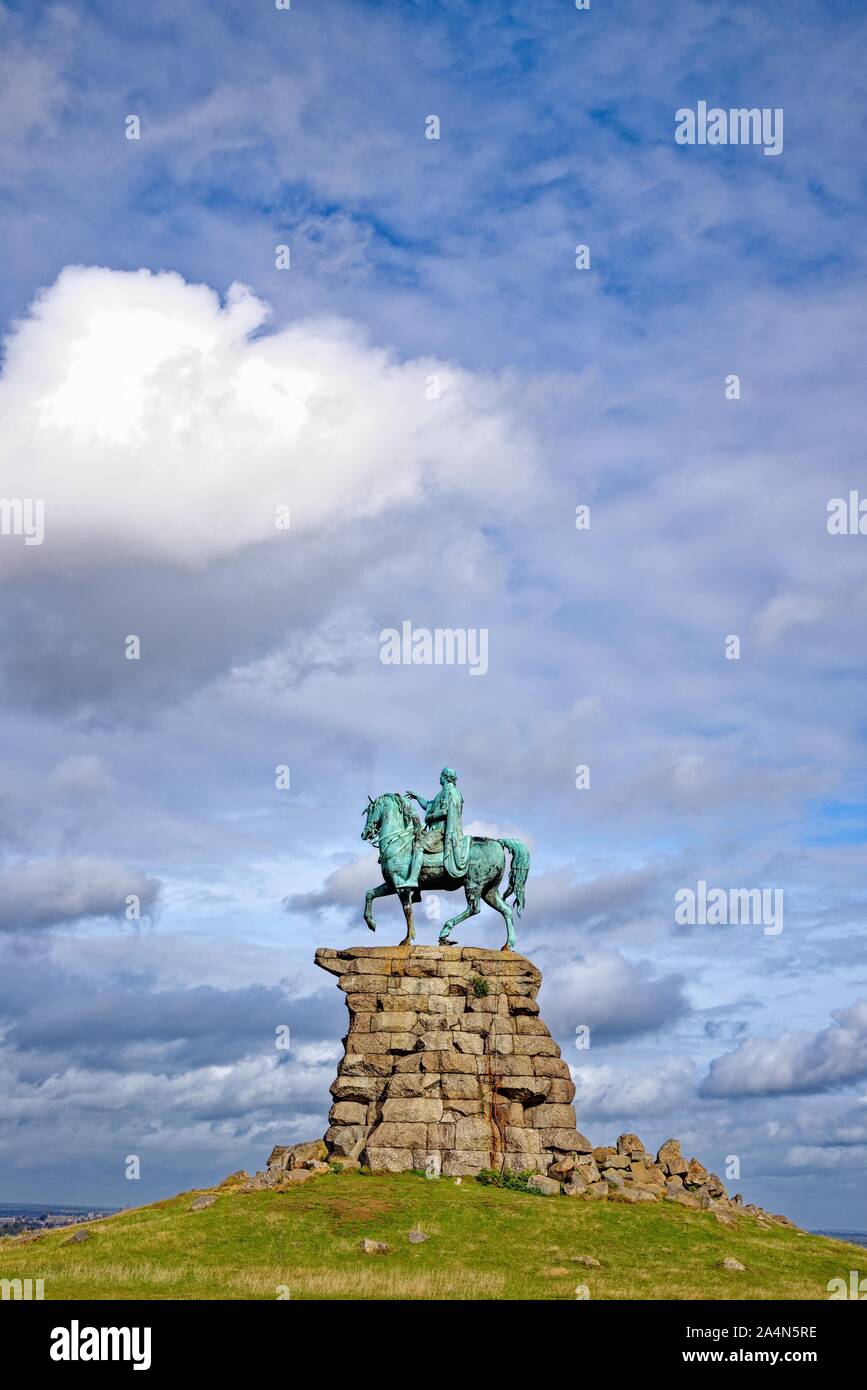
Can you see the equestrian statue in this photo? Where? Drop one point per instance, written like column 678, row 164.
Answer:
column 438, row 854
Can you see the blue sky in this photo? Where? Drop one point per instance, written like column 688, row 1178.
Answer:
column 162, row 414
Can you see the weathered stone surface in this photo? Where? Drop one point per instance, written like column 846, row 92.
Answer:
column 608, row 1157
column 460, row 1087
column 561, row 1092
column 389, row 1160
column 529, row 1090
column 566, row 1140
column 411, row 1084
column 562, row 1168
column 513, row 1162
column 345, row 1141
column 696, row 1173
column 454, row 1109
column 524, row 1141
column 474, row 1132
column 393, row 1021
column 532, row 1045
column 671, row 1160
column 348, row 1112
column 358, row 1088
column 551, row 1066
column 412, row 1109
column 463, row 1162
column 354, row 1065
column 629, row 1144
column 293, row 1155
column 390, row 1135
column 440, row 1137
column 549, row 1187
column 684, row 1198
column 552, row 1117
column 646, row 1172
column 450, row 1063
column 288, row 1178
column 586, row 1168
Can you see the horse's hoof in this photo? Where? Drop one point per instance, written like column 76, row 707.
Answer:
column 507, row 947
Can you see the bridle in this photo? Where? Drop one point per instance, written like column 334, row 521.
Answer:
column 405, row 830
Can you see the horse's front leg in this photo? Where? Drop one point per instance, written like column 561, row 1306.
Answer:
column 381, row 891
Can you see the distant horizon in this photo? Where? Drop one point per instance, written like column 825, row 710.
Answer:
column 60, row 1206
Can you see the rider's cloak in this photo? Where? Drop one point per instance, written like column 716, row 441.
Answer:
column 446, row 810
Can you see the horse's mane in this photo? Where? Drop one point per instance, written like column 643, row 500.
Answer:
column 410, row 816
column 409, row 812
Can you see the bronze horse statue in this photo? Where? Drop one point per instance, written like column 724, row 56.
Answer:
column 393, row 826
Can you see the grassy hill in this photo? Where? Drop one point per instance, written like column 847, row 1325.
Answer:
column 483, row 1243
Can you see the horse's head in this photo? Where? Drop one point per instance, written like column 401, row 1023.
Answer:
column 373, row 818
column 390, row 806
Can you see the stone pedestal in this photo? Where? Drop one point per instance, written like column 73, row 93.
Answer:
column 447, row 1065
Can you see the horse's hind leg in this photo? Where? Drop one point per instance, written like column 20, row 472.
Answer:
column 381, row 891
column 470, row 910
column 406, row 904
column 493, row 899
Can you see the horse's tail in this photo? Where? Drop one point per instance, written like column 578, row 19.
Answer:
column 519, row 871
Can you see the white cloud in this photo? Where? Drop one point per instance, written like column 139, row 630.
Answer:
column 49, row 891
column 785, row 611
column 155, row 420
column 795, row 1062
column 608, row 1091
column 82, row 775
column 812, row 1157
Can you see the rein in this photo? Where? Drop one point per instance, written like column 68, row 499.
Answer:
column 406, row 831
column 396, row 835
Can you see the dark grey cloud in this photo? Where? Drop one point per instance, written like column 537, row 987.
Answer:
column 119, row 1027
column 615, row 997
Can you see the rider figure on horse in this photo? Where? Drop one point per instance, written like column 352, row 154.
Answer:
column 443, row 833
column 439, row 855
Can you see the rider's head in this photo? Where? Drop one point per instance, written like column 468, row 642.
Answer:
column 448, row 774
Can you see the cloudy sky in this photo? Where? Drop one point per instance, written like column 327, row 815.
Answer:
column 431, row 387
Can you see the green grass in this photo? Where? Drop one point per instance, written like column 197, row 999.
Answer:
column 485, row 1242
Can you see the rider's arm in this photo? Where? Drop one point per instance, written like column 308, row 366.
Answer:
column 423, row 803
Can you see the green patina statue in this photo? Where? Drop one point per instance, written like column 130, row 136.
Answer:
column 440, row 855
